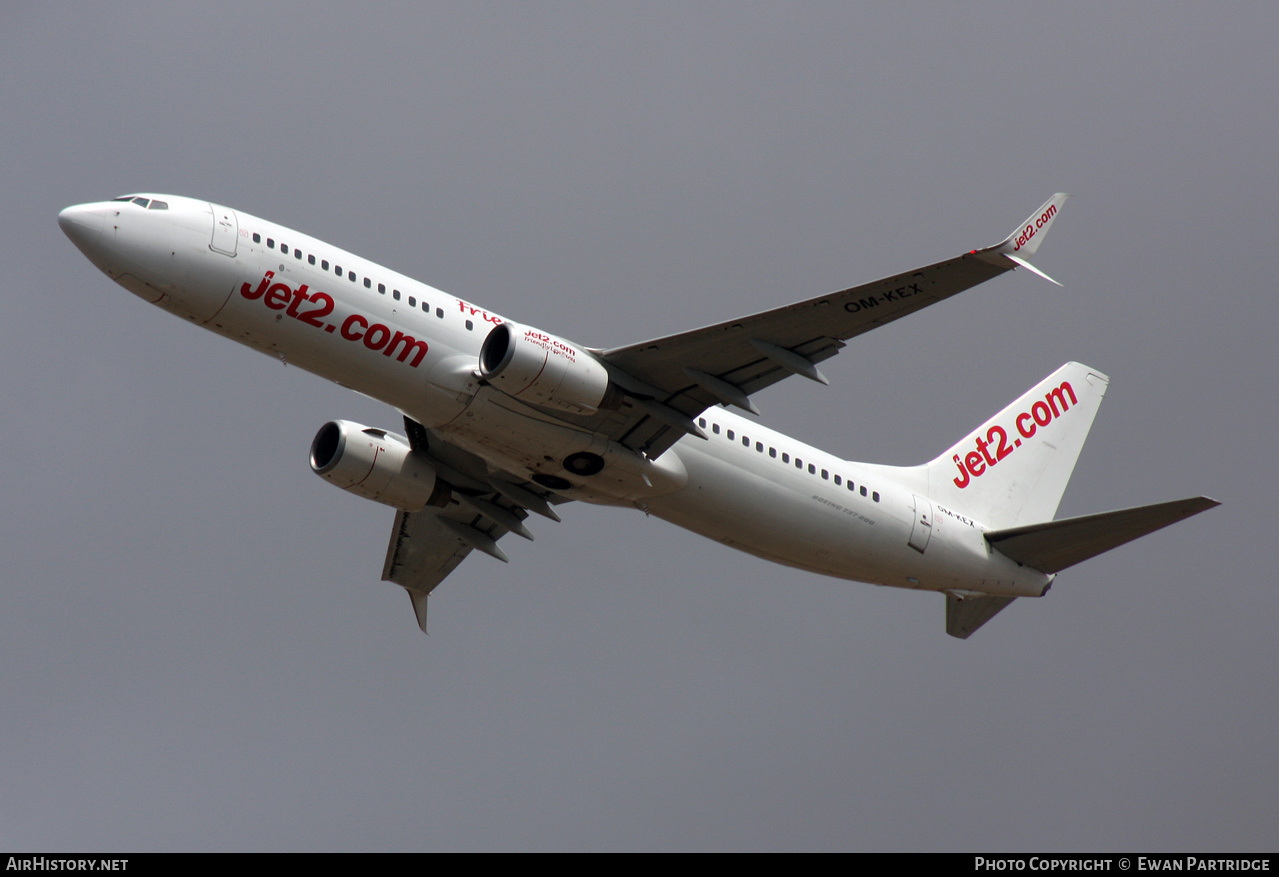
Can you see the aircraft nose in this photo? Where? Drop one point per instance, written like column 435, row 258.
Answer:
column 82, row 223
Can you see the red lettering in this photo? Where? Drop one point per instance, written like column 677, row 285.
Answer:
column 257, row 293
column 312, row 317
column 975, row 463
column 277, row 296
column 994, row 447
column 299, row 296
column 982, row 446
column 1057, row 398
column 410, row 344
column 377, row 336
column 351, row 321
column 1021, row 425
column 1003, row 450
column 1024, row 238
column 1046, row 417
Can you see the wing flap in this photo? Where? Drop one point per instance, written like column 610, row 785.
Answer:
column 483, row 507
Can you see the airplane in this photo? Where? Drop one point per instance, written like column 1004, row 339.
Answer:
column 503, row 420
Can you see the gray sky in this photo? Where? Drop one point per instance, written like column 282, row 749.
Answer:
column 198, row 652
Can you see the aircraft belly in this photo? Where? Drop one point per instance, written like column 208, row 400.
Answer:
column 494, row 430
column 958, row 558
column 774, row 520
column 526, row 441
column 810, row 526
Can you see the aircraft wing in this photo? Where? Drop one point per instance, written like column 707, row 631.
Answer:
column 673, row 379
column 482, row 507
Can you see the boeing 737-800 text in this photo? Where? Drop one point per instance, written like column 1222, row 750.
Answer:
column 503, row 419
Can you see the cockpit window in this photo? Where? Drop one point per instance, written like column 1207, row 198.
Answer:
column 159, row 205
column 142, row 202
column 123, row 198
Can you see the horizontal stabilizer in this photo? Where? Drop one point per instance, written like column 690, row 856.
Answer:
column 967, row 612
column 1055, row 545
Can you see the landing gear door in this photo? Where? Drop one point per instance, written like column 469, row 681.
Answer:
column 226, row 229
column 922, row 529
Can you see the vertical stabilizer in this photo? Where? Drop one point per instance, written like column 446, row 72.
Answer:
column 1013, row 469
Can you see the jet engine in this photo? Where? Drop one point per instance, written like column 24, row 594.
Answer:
column 535, row 367
column 376, row 465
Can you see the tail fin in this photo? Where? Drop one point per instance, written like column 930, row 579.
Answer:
column 1013, row 469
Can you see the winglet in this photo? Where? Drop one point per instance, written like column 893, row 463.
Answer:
column 1019, row 246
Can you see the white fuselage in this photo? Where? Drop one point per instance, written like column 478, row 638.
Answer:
column 416, row 348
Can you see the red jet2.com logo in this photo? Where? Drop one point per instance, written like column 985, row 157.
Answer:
column 1029, row 231
column 280, row 297
column 976, row 462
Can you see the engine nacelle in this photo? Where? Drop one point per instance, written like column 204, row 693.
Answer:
column 376, row 465
column 539, row 368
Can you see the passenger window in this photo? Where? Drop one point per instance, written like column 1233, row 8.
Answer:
column 310, row 260
column 875, row 496
column 701, row 421
column 395, row 294
column 799, row 464
column 730, row 435
column 270, row 243
column 337, row 269
column 863, row 490
column 412, row 302
column 837, row 481
column 297, row 254
column 715, row 428
column 812, row 470
column 825, row 475
column 469, row 325
column 426, row 308
column 257, row 238
column 350, row 275
column 852, row 486
column 381, row 288
column 284, row 248
column 772, row 452
column 785, row 458
column 439, row 312
column 324, row 263
column 759, row 446
column 368, row 284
